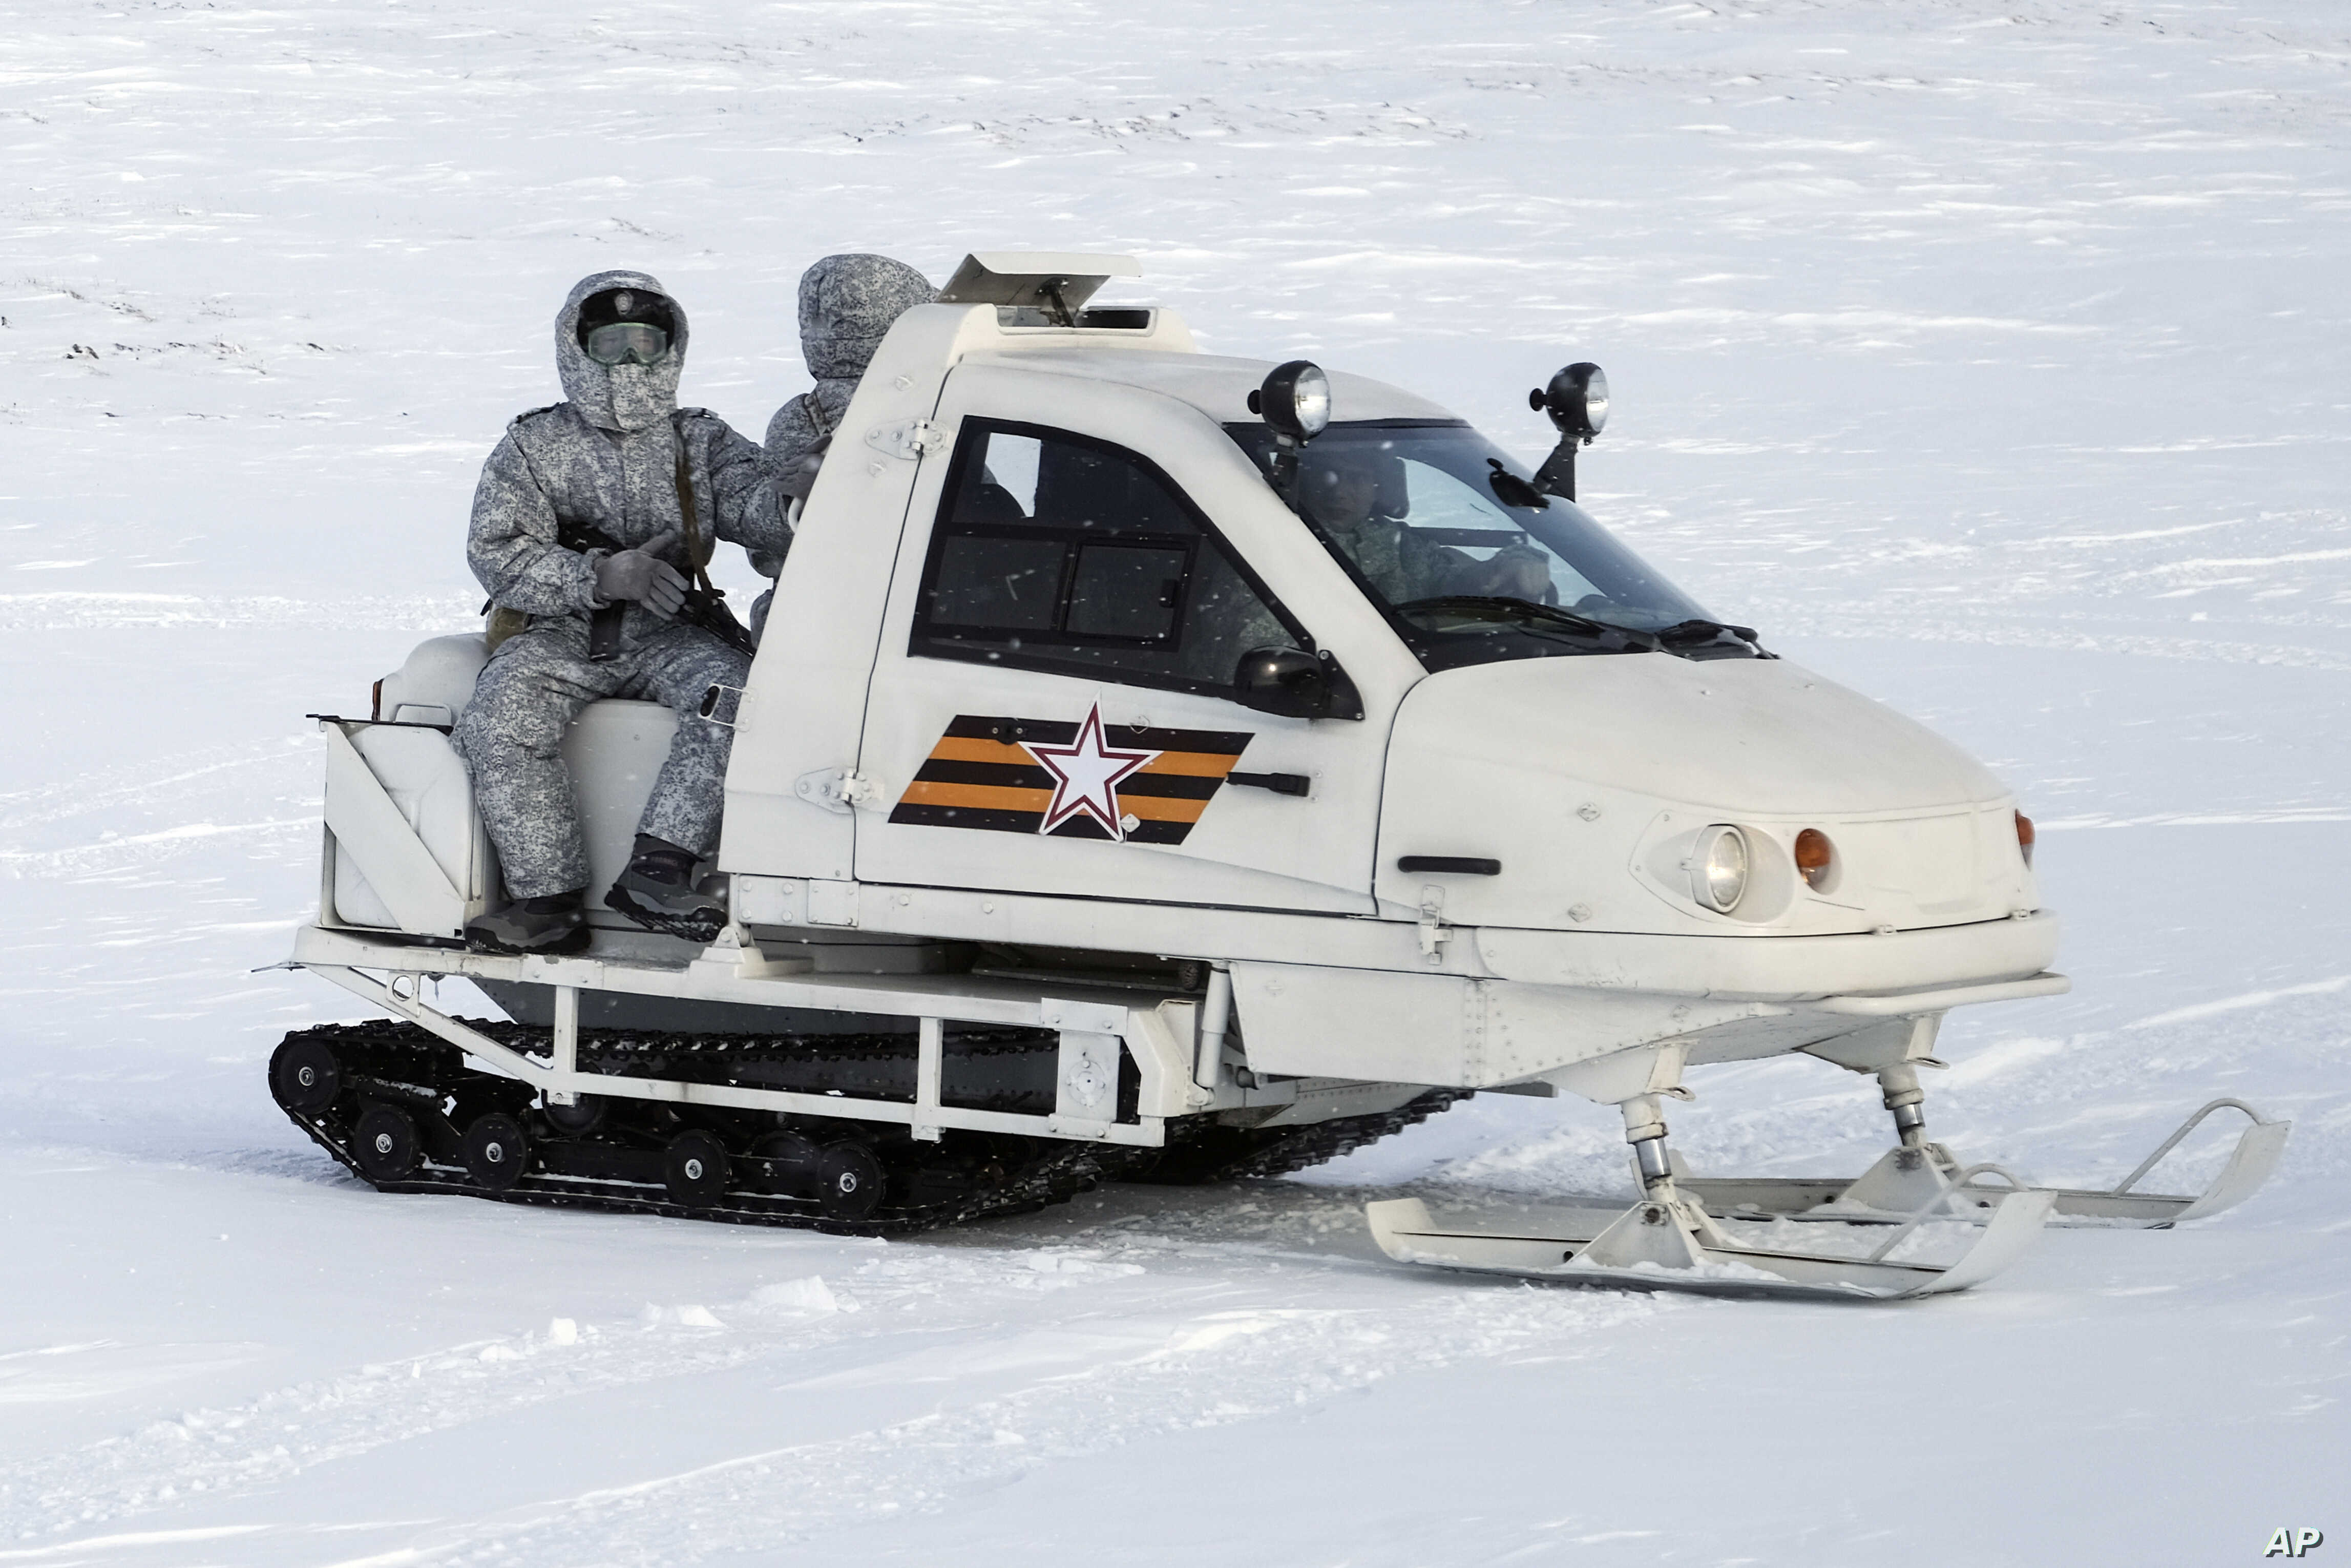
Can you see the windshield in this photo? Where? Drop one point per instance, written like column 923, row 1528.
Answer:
column 1443, row 530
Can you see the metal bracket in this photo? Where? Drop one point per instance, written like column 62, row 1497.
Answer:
column 565, row 1039
column 907, row 438
column 1433, row 932
column 715, row 701
column 392, row 999
column 930, row 1056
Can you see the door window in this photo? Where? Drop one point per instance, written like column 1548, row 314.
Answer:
column 1054, row 551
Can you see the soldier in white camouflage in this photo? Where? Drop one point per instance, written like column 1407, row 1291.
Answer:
column 656, row 486
column 847, row 306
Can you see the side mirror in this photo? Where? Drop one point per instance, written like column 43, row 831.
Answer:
column 1295, row 684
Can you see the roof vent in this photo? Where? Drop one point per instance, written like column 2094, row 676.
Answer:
column 1057, row 283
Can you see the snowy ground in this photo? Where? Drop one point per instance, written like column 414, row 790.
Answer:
column 1991, row 356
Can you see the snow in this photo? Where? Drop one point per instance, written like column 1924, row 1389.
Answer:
column 1990, row 356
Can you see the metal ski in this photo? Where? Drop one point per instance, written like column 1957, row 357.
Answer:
column 1671, row 1243
column 1927, row 1177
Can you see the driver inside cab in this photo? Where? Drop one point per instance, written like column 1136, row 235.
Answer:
column 1359, row 499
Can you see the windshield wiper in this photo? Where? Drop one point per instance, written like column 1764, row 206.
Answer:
column 1503, row 606
column 1699, row 630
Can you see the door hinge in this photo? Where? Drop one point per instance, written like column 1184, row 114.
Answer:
column 908, row 438
column 838, row 790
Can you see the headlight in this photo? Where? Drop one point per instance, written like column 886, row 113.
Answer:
column 2024, row 837
column 1295, row 399
column 1720, row 868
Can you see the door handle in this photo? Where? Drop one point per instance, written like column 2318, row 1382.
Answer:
column 1457, row 865
column 1279, row 783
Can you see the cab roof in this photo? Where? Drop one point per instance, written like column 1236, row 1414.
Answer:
column 1218, row 386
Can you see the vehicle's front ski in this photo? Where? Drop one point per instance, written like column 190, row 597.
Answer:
column 1927, row 1175
column 1669, row 1242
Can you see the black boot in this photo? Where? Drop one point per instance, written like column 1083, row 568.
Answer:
column 657, row 891
column 554, row 924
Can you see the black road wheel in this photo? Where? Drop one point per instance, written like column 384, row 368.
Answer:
column 385, row 1143
column 303, row 1075
column 852, row 1180
column 497, row 1153
column 576, row 1120
column 696, row 1169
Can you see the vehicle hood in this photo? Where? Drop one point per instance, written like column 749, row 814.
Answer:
column 1588, row 777
column 1752, row 734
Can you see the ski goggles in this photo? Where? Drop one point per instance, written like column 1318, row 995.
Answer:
column 626, row 343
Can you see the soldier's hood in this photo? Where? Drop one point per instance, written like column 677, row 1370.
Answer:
column 589, row 384
column 847, row 306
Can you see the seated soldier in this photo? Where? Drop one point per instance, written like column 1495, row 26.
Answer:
column 1340, row 490
column 607, row 503
column 848, row 304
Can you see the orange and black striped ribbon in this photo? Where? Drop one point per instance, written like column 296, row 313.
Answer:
column 977, row 776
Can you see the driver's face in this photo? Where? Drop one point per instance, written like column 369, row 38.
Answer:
column 1341, row 498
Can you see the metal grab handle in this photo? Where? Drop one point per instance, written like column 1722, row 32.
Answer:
column 2014, row 1181
column 2172, row 1142
column 714, row 699
column 1926, row 1210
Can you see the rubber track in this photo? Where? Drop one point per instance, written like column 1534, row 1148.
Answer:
column 395, row 1055
column 1287, row 1149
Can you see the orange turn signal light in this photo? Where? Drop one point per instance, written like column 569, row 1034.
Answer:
column 2024, row 836
column 1813, row 855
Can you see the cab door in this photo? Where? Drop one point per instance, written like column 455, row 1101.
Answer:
column 1054, row 708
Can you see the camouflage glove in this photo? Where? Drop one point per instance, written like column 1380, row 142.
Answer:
column 796, row 482
column 641, row 574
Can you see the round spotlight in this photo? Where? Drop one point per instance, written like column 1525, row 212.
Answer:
column 1296, row 400
column 1576, row 400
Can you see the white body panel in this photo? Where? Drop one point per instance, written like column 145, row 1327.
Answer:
column 406, row 846
column 1250, row 848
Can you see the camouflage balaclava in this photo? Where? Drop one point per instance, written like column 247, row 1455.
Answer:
column 623, row 398
column 847, row 306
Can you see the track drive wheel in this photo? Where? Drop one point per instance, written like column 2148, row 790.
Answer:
column 385, row 1143
column 304, row 1076
column 697, row 1170
column 853, row 1181
column 496, row 1152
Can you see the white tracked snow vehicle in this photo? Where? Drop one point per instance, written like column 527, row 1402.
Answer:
column 1162, row 766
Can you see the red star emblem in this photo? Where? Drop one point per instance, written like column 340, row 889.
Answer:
column 1085, row 776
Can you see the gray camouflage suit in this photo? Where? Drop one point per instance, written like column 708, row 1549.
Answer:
column 607, row 457
column 848, row 304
